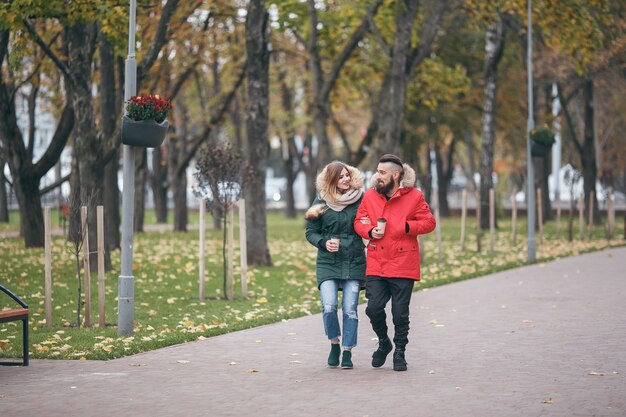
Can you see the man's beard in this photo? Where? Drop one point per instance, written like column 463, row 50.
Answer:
column 384, row 188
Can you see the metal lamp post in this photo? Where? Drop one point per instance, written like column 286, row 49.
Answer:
column 530, row 194
column 126, row 281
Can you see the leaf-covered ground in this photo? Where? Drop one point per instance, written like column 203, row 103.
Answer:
column 167, row 309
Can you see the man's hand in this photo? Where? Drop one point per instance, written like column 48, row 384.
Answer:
column 376, row 233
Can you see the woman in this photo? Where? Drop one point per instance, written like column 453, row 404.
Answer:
column 340, row 254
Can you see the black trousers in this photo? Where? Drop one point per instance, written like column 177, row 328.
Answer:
column 378, row 292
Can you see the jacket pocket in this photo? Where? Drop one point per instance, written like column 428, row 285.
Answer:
column 409, row 247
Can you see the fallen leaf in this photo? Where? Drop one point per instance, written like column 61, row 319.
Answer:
column 251, row 370
column 232, row 363
column 548, row 401
column 295, row 362
column 594, row 373
column 182, row 361
column 136, row 364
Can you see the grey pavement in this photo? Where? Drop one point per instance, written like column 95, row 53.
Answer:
column 541, row 340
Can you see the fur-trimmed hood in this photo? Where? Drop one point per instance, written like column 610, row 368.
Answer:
column 408, row 179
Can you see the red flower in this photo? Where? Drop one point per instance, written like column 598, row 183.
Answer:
column 148, row 107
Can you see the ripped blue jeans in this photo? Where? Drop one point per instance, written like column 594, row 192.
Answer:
column 330, row 299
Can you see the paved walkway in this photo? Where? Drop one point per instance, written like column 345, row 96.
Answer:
column 543, row 340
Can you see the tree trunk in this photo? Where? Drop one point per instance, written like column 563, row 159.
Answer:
column 87, row 144
column 181, row 216
column 310, row 168
column 290, row 174
column 140, row 189
column 257, row 119
column 289, row 150
column 112, row 218
column 31, row 215
column 158, row 181
column 542, row 170
column 425, row 177
column 110, row 105
column 588, row 154
column 178, row 179
column 494, row 44
column 444, row 175
column 4, row 201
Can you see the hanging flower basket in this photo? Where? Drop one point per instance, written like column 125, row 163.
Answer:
column 539, row 149
column 143, row 133
column 144, row 124
column 541, row 141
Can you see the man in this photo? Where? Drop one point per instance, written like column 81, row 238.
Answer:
column 393, row 263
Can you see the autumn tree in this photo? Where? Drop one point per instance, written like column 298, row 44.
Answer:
column 384, row 132
column 20, row 72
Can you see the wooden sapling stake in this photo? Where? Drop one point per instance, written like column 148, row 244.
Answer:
column 101, row 275
column 243, row 248
column 86, row 266
column 48, row 265
column 201, row 246
column 463, row 217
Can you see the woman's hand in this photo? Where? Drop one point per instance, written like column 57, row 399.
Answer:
column 332, row 245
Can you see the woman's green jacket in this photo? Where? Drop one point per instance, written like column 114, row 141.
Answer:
column 349, row 261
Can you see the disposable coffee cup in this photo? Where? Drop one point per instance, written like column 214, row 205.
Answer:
column 337, row 240
column 381, row 224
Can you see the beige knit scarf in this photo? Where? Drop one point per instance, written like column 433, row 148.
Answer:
column 351, row 196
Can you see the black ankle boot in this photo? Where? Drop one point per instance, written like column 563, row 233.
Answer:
column 379, row 357
column 346, row 360
column 333, row 356
column 399, row 363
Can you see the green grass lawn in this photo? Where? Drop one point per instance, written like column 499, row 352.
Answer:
column 165, row 267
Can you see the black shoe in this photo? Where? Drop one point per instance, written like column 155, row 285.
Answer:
column 333, row 356
column 399, row 363
column 346, row 360
column 379, row 357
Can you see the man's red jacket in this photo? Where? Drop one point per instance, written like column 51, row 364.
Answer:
column 397, row 254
